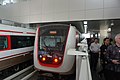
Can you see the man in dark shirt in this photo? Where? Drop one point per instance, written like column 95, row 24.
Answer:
column 113, row 58
column 103, row 48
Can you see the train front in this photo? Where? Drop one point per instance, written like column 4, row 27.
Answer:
column 50, row 48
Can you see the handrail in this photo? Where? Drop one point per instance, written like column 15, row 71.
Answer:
column 82, row 64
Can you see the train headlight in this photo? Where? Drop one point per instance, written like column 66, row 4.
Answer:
column 60, row 58
column 55, row 60
column 40, row 56
column 43, row 59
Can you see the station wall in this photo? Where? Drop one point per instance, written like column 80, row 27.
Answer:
column 33, row 11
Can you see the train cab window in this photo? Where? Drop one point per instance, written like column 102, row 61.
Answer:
column 53, row 38
column 3, row 42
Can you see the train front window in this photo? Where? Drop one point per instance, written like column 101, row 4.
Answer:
column 3, row 42
column 52, row 38
column 52, row 43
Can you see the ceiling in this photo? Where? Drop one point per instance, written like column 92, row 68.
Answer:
column 93, row 25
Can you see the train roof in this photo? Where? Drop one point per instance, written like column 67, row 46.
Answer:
column 16, row 30
column 7, row 27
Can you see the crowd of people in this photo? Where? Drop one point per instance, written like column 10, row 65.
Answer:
column 109, row 57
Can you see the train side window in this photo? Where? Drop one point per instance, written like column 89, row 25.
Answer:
column 22, row 41
column 3, row 42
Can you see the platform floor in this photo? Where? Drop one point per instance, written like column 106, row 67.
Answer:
column 95, row 75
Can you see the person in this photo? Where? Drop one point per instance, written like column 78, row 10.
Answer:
column 90, row 42
column 103, row 48
column 112, row 56
column 111, row 41
column 94, row 48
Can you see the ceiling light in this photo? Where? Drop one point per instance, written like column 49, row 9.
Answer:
column 112, row 23
column 85, row 27
column 85, row 22
column 109, row 29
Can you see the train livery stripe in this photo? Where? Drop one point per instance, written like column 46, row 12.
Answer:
column 10, row 31
column 7, row 57
column 30, row 33
column 16, row 31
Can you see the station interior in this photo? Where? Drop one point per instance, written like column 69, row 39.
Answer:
column 92, row 18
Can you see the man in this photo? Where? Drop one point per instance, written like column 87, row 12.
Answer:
column 113, row 58
column 103, row 48
column 94, row 48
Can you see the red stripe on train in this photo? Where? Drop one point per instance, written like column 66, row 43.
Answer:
column 16, row 31
column 10, row 31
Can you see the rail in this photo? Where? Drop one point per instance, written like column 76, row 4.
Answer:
column 21, row 74
column 29, row 75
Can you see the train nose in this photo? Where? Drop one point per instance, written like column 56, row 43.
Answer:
column 50, row 59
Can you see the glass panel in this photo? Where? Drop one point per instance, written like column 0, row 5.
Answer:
column 3, row 42
column 22, row 41
column 52, row 39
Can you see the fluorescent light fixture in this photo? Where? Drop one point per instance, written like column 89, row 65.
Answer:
column 109, row 29
column 98, row 34
column 91, row 35
column 112, row 24
column 12, row 1
column 85, row 26
column 85, row 22
column 95, row 35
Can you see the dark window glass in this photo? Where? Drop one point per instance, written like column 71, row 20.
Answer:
column 22, row 41
column 3, row 42
column 53, row 38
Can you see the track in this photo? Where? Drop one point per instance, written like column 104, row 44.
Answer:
column 30, row 74
column 23, row 74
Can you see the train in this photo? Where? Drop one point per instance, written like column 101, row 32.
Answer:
column 16, row 46
column 52, row 43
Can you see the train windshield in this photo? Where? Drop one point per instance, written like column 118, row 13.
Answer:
column 52, row 41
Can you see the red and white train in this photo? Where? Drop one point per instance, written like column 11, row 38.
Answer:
column 51, row 45
column 16, row 45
